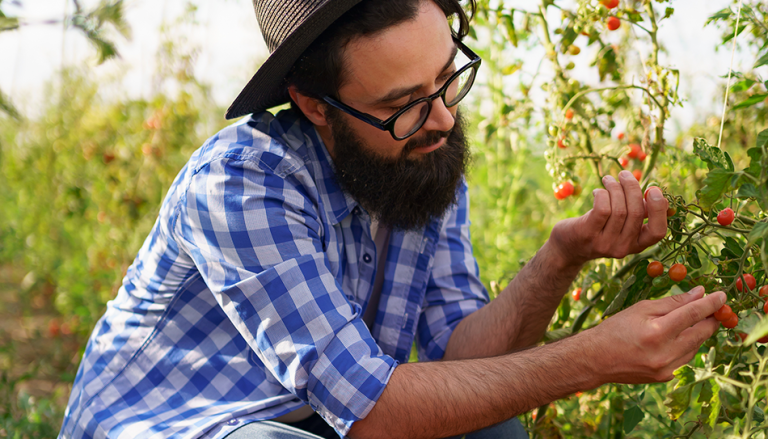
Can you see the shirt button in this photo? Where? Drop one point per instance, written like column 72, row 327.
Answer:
column 356, row 210
column 233, row 422
column 367, row 258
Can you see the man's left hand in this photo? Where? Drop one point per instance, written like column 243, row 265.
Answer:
column 614, row 227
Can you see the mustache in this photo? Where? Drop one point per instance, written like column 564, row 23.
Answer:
column 430, row 138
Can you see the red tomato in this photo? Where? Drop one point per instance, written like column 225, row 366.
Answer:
column 677, row 272
column 742, row 336
column 621, row 136
column 655, row 269
column 624, row 162
column 751, row 282
column 765, row 307
column 732, row 322
column 638, row 174
column 54, row 328
column 569, row 114
column 763, row 339
column 634, row 150
column 726, row 216
column 763, row 291
column 561, row 143
column 610, row 4
column 724, row 313
column 642, row 155
column 613, row 23
column 576, row 294
column 565, row 189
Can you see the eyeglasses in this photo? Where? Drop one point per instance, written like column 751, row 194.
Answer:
column 409, row 119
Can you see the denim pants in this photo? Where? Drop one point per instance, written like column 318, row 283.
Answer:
column 510, row 429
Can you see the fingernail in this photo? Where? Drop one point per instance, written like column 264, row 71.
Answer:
column 656, row 194
column 723, row 298
column 696, row 290
column 626, row 174
column 594, row 193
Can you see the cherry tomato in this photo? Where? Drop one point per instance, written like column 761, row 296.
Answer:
column 751, row 282
column 726, row 216
column 765, row 307
column 576, row 294
column 642, row 155
column 724, row 313
column 742, row 336
column 671, row 211
column 574, row 49
column 634, row 150
column 569, row 112
column 565, row 189
column 610, row 4
column 577, row 190
column 677, row 272
column 621, row 136
column 638, row 174
column 613, row 23
column 624, row 162
column 561, row 143
column 655, row 269
column 731, row 322
column 763, row 339
column 763, row 291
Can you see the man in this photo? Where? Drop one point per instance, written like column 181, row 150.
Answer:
column 297, row 257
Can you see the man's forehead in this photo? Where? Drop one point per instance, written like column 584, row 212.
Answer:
column 409, row 54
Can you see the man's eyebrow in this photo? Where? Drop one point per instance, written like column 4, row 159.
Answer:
column 400, row 92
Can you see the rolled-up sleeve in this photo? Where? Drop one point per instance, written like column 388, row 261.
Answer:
column 454, row 289
column 254, row 233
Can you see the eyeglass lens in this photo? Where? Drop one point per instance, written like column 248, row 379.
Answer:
column 410, row 121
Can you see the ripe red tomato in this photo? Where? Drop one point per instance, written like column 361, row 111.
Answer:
column 642, row 155
column 742, row 336
column 677, row 272
column 751, row 282
column 765, row 307
column 634, row 150
column 763, row 291
column 732, row 321
column 763, row 339
column 726, row 216
column 638, row 174
column 54, row 328
column 671, row 211
column 621, row 136
column 610, row 4
column 655, row 269
column 624, row 162
column 569, row 112
column 576, row 294
column 564, row 191
column 561, row 143
column 613, row 23
column 724, row 313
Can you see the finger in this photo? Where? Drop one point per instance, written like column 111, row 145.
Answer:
column 635, row 208
column 662, row 307
column 596, row 218
column 693, row 312
column 692, row 338
column 669, row 371
column 656, row 228
column 618, row 207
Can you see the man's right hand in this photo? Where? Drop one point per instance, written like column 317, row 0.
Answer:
column 648, row 341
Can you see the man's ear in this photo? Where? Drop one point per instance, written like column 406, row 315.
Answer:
column 313, row 109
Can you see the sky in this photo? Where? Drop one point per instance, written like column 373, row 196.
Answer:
column 230, row 48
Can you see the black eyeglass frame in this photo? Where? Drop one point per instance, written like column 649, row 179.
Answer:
column 389, row 124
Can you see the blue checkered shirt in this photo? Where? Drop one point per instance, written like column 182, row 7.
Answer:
column 246, row 300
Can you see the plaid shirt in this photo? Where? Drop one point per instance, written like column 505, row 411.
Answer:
column 246, row 300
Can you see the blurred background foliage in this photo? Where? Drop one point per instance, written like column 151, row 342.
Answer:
column 81, row 184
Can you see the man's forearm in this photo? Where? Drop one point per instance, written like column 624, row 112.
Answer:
column 518, row 317
column 440, row 399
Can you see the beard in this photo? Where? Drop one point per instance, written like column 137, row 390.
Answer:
column 402, row 193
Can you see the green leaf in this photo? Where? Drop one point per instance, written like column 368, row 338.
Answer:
column 711, row 403
column 733, row 247
column 763, row 60
column 8, row 23
column 7, row 107
column 679, row 399
column 759, row 331
column 711, row 155
column 752, row 100
column 509, row 24
column 759, row 231
column 693, row 258
column 762, row 139
column 747, row 190
column 632, row 417
column 668, row 12
column 618, row 301
column 715, row 185
column 744, row 85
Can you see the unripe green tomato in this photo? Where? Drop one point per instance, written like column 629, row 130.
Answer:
column 553, row 130
column 570, row 66
column 660, row 282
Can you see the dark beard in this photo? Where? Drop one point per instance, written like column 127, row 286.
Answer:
column 401, row 193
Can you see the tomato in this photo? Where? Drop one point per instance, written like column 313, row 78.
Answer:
column 725, row 217
column 561, row 143
column 574, row 50
column 577, row 190
column 765, row 307
column 613, row 23
column 610, row 4
column 742, row 336
column 763, row 339
column 634, row 150
column 624, row 162
column 677, row 272
column 576, row 294
column 655, row 269
column 763, row 291
column 638, row 174
column 751, row 282
column 553, row 130
column 565, row 189
column 569, row 112
column 559, row 194
column 724, row 313
column 642, row 155
column 731, row 322
column 671, row 211
column 54, row 328
column 621, row 136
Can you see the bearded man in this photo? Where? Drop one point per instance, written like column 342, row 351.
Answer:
column 298, row 256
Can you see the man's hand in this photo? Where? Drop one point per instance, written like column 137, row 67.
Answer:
column 614, row 227
column 646, row 342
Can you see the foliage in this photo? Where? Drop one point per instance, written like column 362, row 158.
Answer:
column 590, row 127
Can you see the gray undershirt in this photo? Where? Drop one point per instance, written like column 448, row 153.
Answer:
column 381, row 239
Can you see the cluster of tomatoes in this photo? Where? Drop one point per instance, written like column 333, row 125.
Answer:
column 635, row 152
column 566, row 189
column 677, row 272
column 612, row 23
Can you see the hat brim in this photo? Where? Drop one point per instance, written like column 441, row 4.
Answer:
column 266, row 89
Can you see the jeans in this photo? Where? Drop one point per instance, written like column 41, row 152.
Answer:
column 510, row 429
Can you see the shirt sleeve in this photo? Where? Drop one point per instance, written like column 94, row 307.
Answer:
column 454, row 289
column 254, row 233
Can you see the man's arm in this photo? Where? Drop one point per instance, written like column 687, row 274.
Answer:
column 642, row 344
column 520, row 315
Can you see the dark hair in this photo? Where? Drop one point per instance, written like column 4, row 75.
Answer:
column 319, row 71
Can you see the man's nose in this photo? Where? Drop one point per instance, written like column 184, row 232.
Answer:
column 440, row 117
